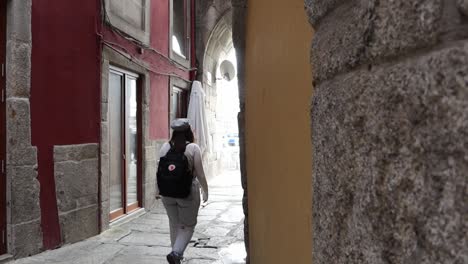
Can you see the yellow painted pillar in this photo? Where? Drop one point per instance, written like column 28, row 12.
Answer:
column 278, row 139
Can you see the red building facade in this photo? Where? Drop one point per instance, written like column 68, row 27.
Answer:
column 90, row 88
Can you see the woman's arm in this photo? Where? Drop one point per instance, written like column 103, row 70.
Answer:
column 164, row 149
column 199, row 171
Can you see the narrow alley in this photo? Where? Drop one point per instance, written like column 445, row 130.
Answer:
column 319, row 131
column 218, row 236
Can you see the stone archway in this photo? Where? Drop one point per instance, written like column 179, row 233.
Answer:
column 218, row 47
column 227, row 28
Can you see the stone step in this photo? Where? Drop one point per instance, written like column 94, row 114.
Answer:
column 5, row 258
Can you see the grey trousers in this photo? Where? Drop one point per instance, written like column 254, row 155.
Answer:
column 182, row 215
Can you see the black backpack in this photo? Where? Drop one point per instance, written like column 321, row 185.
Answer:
column 174, row 174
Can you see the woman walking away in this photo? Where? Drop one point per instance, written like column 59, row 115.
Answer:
column 180, row 175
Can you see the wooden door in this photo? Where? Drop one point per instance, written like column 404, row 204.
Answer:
column 3, row 233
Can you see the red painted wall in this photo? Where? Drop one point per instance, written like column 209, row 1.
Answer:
column 159, row 104
column 159, row 107
column 159, row 64
column 160, row 26
column 66, row 80
column 65, row 90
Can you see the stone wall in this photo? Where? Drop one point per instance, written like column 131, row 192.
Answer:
column 208, row 17
column 208, row 13
column 217, row 49
column 390, row 122
column 214, row 36
column 239, row 13
column 76, row 170
column 23, row 207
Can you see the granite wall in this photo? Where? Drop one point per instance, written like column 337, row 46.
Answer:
column 390, row 131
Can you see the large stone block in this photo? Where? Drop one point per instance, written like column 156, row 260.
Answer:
column 24, row 195
column 18, row 69
column 105, row 215
column 150, row 195
column 105, row 177
column 104, row 112
column 76, row 184
column 105, row 81
column 146, row 100
column 75, row 152
column 19, row 147
column 358, row 32
column 150, row 176
column 25, row 239
column 80, row 224
column 342, row 38
column 105, row 138
column 390, row 166
column 151, row 153
column 400, row 26
column 317, row 9
column 19, row 26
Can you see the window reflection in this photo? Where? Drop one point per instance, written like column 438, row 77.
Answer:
column 132, row 139
column 179, row 27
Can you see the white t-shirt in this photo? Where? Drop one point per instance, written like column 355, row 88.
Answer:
column 193, row 153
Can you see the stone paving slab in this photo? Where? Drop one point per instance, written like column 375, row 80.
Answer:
column 126, row 259
column 146, row 239
column 216, row 240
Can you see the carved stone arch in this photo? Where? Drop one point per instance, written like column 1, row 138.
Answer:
column 224, row 21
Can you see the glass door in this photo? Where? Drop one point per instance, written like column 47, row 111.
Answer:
column 131, row 129
column 115, row 143
column 124, row 140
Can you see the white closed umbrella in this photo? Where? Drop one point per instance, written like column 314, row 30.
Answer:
column 196, row 115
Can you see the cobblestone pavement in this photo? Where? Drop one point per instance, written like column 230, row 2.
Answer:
column 218, row 237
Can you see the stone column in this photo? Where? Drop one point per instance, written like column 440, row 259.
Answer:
column 23, row 208
column 238, row 34
column 390, row 122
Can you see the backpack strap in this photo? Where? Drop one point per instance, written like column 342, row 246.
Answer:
column 172, row 149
